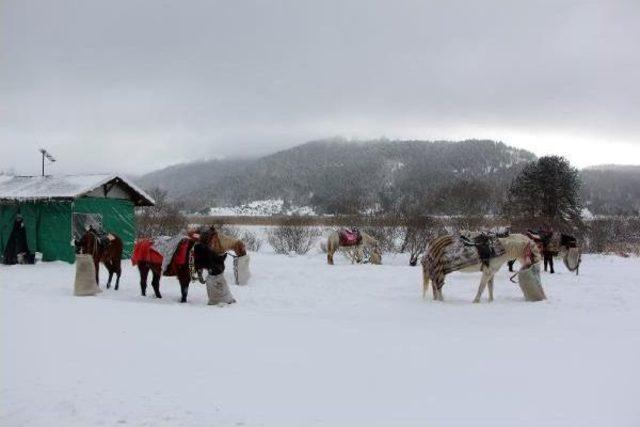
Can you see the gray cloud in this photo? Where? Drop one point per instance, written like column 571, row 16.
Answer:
column 136, row 85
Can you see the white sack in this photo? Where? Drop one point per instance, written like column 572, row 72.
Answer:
column 530, row 283
column 85, row 283
column 241, row 271
column 218, row 290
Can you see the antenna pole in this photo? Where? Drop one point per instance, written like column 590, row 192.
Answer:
column 48, row 156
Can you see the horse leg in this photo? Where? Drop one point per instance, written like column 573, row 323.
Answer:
column 184, row 280
column 425, row 283
column 110, row 270
column 143, row 268
column 437, row 289
column 118, row 270
column 155, row 282
column 551, row 263
column 483, row 284
column 329, row 257
column 490, row 286
column 96, row 263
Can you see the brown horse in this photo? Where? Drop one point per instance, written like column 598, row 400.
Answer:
column 106, row 249
column 187, row 265
column 221, row 243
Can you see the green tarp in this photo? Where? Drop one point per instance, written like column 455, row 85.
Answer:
column 48, row 224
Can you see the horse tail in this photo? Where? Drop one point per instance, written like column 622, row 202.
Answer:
column 425, row 279
column 331, row 247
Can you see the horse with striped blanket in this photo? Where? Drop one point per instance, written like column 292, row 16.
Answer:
column 447, row 254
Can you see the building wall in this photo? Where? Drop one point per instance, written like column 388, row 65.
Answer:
column 118, row 217
column 115, row 193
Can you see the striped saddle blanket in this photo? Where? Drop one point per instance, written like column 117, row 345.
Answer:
column 447, row 254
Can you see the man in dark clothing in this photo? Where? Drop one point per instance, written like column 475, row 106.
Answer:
column 17, row 250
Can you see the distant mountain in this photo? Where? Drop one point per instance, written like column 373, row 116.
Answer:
column 612, row 189
column 336, row 176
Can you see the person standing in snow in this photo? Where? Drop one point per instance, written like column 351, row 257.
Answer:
column 217, row 288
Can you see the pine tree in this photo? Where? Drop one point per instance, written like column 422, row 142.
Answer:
column 546, row 191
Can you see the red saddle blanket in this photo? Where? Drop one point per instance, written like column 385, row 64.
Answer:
column 349, row 238
column 143, row 251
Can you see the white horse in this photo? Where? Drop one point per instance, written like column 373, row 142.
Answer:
column 440, row 260
column 355, row 253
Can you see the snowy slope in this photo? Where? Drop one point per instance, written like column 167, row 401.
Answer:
column 309, row 344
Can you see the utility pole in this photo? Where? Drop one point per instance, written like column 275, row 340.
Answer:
column 46, row 154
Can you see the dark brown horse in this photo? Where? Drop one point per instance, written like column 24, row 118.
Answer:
column 105, row 248
column 187, row 264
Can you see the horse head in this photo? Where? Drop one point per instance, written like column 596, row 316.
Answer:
column 87, row 244
column 205, row 258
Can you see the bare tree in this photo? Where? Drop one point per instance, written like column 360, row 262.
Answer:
column 162, row 219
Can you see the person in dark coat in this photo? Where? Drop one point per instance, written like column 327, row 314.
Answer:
column 217, row 288
column 17, row 250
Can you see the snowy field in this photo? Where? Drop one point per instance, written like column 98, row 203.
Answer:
column 310, row 344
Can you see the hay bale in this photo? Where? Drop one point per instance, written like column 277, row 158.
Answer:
column 530, row 284
column 85, row 283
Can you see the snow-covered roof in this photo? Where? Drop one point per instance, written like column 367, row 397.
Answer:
column 24, row 188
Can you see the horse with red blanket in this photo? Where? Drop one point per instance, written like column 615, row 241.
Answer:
column 182, row 256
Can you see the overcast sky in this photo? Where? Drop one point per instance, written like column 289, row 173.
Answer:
column 132, row 86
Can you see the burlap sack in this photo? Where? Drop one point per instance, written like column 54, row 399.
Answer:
column 218, row 290
column 530, row 283
column 241, row 271
column 85, row 283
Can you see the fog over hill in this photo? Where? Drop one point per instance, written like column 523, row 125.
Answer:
column 612, row 189
column 339, row 176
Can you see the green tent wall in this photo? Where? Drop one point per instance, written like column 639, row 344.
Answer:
column 48, row 223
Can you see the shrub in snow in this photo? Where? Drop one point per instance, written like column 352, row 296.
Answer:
column 251, row 241
column 387, row 237
column 288, row 238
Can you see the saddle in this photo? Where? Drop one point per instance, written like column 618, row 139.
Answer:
column 487, row 245
column 349, row 237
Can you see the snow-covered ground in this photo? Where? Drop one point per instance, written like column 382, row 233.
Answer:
column 310, row 344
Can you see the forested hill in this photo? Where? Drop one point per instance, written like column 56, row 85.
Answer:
column 612, row 189
column 336, row 176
